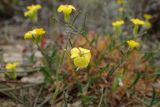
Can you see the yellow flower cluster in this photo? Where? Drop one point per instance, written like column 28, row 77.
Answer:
column 66, row 9
column 11, row 66
column 132, row 44
column 38, row 32
column 31, row 10
column 117, row 23
column 81, row 57
column 137, row 21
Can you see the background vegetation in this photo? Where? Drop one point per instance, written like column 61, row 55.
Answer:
column 45, row 75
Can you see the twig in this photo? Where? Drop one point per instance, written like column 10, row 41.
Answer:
column 11, row 95
column 65, row 101
column 38, row 95
column 153, row 97
column 101, row 99
column 75, row 18
column 20, row 87
column 114, row 69
column 12, row 81
column 45, row 101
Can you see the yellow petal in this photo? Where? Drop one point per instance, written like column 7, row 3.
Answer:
column 31, row 10
column 148, row 25
column 74, row 51
column 81, row 57
column 137, row 21
column 82, row 61
column 74, row 55
column 66, row 9
column 40, row 31
column 28, row 35
column 118, row 23
column 84, row 51
column 60, row 8
column 34, row 7
column 72, row 7
column 35, row 32
column 147, row 16
column 132, row 44
column 10, row 66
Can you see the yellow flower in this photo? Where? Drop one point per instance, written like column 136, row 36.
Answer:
column 121, row 9
column 117, row 23
column 148, row 25
column 29, row 35
column 132, row 44
column 137, row 21
column 66, row 9
column 81, row 57
column 11, row 66
column 31, row 10
column 121, row 2
column 147, row 16
column 34, row 7
column 38, row 32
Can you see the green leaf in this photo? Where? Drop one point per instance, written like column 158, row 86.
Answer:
column 79, row 86
column 114, row 68
column 148, row 56
column 115, row 84
column 157, row 72
column 111, row 45
column 12, row 74
column 153, row 96
column 47, row 73
column 102, row 70
column 138, row 76
column 87, row 99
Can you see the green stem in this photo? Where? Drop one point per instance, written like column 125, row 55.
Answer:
column 60, row 62
column 67, row 18
column 47, row 58
column 135, row 31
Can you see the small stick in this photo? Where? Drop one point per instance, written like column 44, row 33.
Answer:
column 38, row 95
column 101, row 99
column 12, row 81
column 20, row 87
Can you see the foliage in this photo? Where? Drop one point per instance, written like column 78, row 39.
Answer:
column 94, row 69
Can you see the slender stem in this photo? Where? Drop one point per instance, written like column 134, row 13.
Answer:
column 101, row 99
column 56, row 93
column 13, row 96
column 70, row 42
column 135, row 31
column 47, row 58
column 60, row 62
